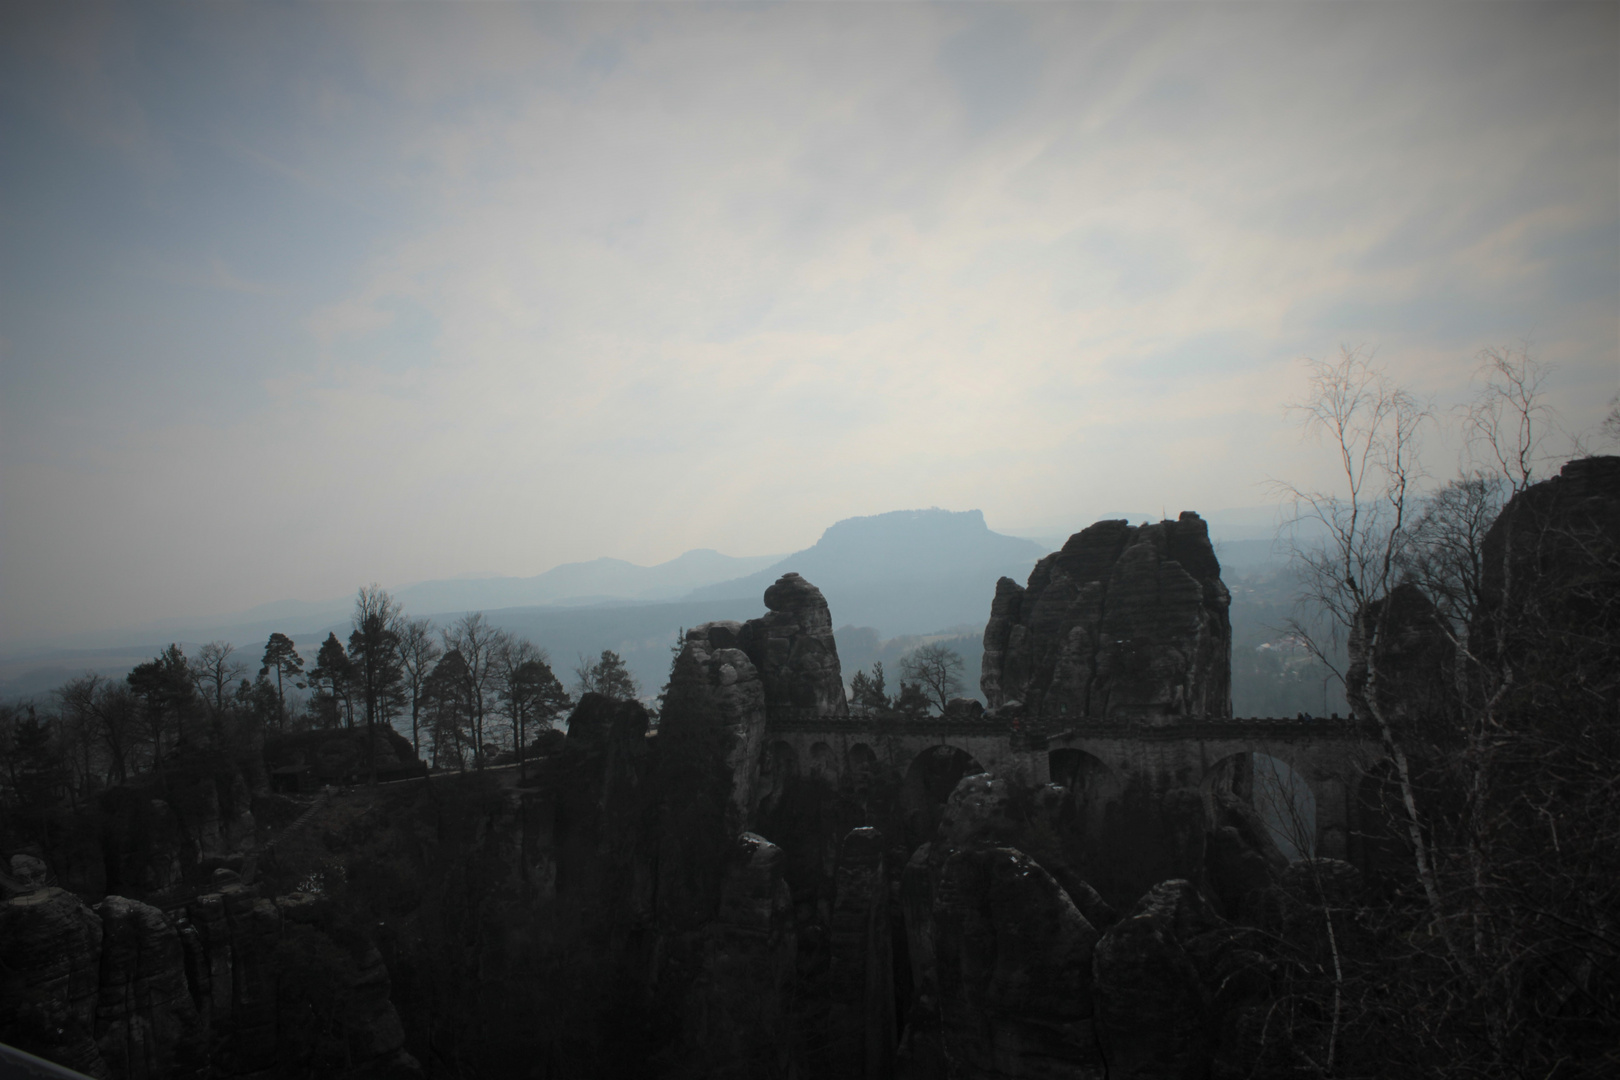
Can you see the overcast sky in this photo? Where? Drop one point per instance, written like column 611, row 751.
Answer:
column 294, row 298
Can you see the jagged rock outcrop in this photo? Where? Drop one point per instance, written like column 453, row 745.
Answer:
column 1124, row 623
column 597, row 793
column 792, row 646
column 234, row 935
column 1550, row 577
column 1014, row 961
column 860, row 1017
column 147, row 1023
column 1405, row 639
column 1000, row 953
column 1241, row 859
column 784, row 663
column 50, row 952
column 1169, row 978
column 737, row 1018
column 227, row 988
column 738, row 693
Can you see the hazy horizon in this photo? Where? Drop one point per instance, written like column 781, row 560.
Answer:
column 305, row 612
column 295, row 298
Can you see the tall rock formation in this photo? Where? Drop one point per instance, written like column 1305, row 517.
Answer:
column 860, row 1016
column 1405, row 637
column 232, row 985
column 1125, row 623
column 1550, row 570
column 739, row 694
column 783, row 664
column 1000, row 953
column 1171, row 981
column 50, row 952
column 792, row 646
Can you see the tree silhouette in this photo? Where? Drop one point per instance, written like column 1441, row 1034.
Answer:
column 937, row 669
column 607, row 676
column 374, row 656
column 867, row 694
column 332, row 676
column 164, row 685
column 283, row 659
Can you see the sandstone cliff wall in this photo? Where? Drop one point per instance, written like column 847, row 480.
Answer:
column 232, row 984
column 782, row 664
column 1124, row 623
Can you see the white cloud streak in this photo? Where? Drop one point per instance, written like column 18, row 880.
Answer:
column 643, row 279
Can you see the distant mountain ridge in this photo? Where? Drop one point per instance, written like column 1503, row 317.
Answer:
column 904, row 572
column 908, row 572
column 582, row 583
column 604, row 580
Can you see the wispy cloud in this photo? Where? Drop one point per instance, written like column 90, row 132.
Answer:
column 551, row 282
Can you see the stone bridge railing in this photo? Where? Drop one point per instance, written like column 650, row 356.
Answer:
column 1259, row 728
column 1034, row 735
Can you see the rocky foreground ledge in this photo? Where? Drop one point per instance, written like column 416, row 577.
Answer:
column 230, row 984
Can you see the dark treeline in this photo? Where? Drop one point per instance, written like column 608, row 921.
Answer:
column 465, row 694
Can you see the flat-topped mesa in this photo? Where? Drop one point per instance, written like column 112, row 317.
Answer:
column 1125, row 623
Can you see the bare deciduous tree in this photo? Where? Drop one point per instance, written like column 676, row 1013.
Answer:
column 1514, row 827
column 215, row 671
column 374, row 652
column 479, row 644
column 937, row 669
column 1348, row 579
column 109, row 715
column 529, row 692
column 418, row 651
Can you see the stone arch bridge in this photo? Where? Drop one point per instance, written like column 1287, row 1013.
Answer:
column 1330, row 757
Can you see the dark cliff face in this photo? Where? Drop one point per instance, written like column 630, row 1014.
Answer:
column 1125, row 623
column 792, row 646
column 782, row 664
column 229, row 984
column 1551, row 571
column 1415, row 661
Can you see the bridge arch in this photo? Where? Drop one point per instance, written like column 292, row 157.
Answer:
column 778, row 765
column 1090, row 786
column 1284, row 798
column 931, row 776
column 823, row 764
column 861, row 764
column 781, row 759
column 935, row 771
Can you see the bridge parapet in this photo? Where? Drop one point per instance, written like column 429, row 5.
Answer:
column 863, row 725
column 1259, row 729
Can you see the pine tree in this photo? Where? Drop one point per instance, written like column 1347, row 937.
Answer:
column 332, row 677
column 283, row 659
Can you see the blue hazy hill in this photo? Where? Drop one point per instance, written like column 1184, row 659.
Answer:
column 904, row 572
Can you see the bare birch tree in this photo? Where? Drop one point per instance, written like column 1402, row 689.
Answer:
column 1349, row 577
